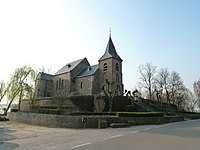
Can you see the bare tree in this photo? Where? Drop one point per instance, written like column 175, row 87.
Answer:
column 13, row 92
column 190, row 102
column 110, row 91
column 19, row 84
column 147, row 78
column 3, row 90
column 162, row 84
column 196, row 86
column 176, row 86
column 30, row 88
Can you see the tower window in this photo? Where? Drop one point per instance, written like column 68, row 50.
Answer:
column 117, row 67
column 105, row 67
column 117, row 77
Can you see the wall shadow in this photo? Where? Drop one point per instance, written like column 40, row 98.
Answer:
column 5, row 140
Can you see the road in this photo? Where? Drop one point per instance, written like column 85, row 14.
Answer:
column 175, row 136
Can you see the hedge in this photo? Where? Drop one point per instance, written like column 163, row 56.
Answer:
column 55, row 107
column 130, row 108
column 49, row 111
column 3, row 119
column 140, row 114
column 119, row 103
column 14, row 110
column 93, row 113
column 83, row 103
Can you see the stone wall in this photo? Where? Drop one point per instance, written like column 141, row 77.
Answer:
column 84, row 85
column 65, row 88
column 44, row 88
column 27, row 105
column 66, row 121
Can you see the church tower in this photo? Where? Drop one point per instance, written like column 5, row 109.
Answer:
column 110, row 67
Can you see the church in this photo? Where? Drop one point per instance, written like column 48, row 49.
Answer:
column 79, row 78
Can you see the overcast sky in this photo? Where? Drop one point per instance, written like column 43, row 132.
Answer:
column 51, row 33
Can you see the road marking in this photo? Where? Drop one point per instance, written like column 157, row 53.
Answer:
column 159, row 126
column 134, row 132
column 80, row 145
column 115, row 136
column 146, row 129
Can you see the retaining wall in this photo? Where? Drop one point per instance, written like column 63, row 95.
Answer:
column 66, row 121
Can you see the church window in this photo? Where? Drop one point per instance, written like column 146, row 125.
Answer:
column 105, row 67
column 57, row 85
column 81, row 85
column 48, row 94
column 117, row 67
column 117, row 77
column 62, row 85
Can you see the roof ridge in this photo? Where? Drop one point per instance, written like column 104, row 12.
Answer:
column 70, row 66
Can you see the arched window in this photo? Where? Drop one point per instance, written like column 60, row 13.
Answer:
column 62, row 85
column 117, row 67
column 117, row 78
column 57, row 85
column 81, row 85
column 105, row 67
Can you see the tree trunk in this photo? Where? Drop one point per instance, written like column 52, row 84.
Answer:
column 20, row 99
column 6, row 111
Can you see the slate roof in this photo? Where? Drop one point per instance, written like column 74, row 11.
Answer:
column 70, row 66
column 88, row 71
column 110, row 51
column 45, row 76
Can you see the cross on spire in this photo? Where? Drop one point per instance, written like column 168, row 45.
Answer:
column 110, row 32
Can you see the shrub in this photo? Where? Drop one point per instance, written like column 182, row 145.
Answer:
column 14, row 110
column 93, row 114
column 49, row 111
column 140, row 114
column 3, row 119
column 119, row 103
column 83, row 103
column 130, row 108
column 55, row 107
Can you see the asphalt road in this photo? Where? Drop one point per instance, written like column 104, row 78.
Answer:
column 175, row 136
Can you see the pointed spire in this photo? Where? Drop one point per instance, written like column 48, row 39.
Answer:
column 110, row 51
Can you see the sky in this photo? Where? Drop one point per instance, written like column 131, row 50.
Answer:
column 51, row 33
